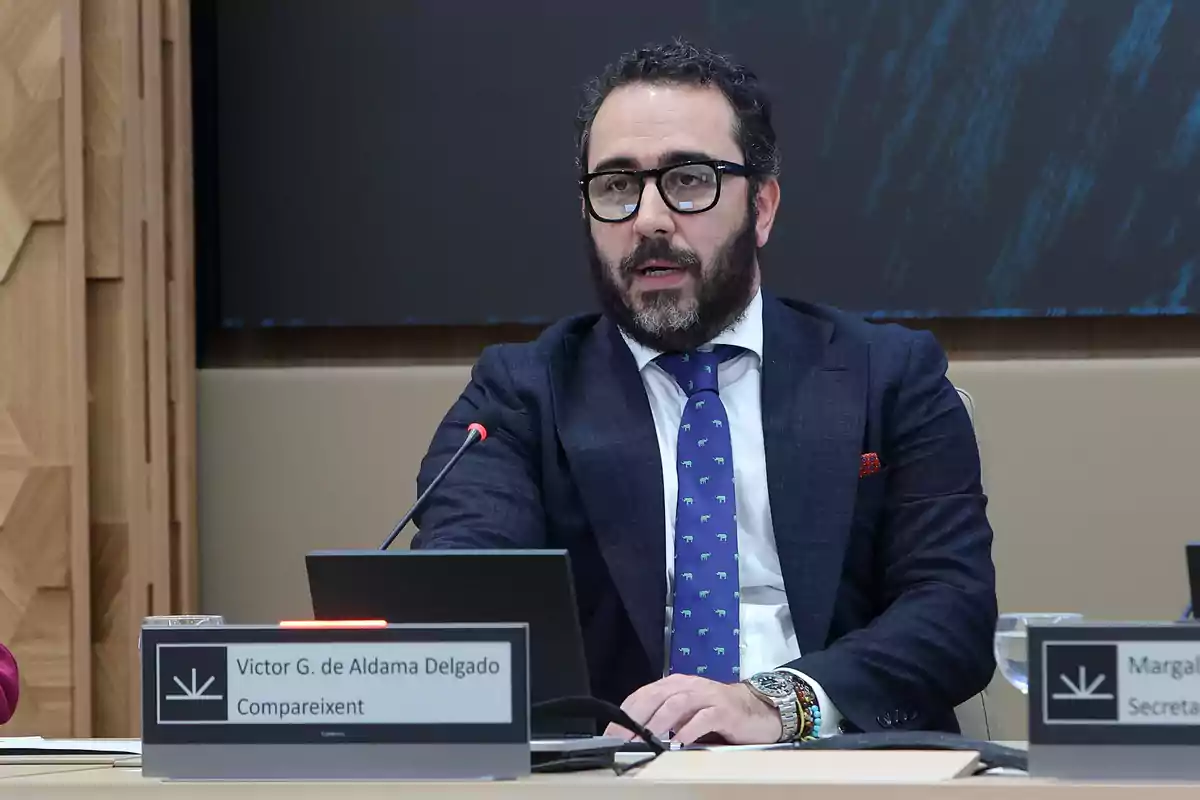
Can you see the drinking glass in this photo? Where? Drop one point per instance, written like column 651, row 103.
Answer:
column 1012, row 655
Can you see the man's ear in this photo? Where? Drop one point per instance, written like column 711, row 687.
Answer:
column 766, row 203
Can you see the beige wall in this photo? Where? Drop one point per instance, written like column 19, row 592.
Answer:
column 1088, row 463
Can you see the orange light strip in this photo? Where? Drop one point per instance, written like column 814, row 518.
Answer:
column 333, row 623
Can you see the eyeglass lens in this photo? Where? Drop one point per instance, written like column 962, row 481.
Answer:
column 687, row 188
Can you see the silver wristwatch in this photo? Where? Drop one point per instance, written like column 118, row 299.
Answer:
column 777, row 689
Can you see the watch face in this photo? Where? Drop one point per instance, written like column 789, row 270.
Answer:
column 771, row 684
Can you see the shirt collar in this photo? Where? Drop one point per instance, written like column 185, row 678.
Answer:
column 746, row 333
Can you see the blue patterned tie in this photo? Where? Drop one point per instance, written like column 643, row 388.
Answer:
column 704, row 638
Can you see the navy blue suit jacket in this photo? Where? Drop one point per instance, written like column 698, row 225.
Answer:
column 889, row 578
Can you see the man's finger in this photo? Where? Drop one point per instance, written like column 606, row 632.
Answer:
column 675, row 710
column 616, row 730
column 642, row 704
column 705, row 721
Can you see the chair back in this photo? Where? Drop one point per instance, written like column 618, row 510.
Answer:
column 972, row 715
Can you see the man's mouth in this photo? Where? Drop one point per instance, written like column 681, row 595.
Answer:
column 653, row 268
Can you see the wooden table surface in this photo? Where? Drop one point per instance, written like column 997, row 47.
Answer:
column 75, row 781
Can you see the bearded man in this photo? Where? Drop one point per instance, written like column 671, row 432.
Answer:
column 801, row 487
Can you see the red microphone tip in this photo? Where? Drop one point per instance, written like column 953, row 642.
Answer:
column 479, row 429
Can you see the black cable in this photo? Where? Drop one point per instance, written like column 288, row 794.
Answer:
column 597, row 710
column 602, row 712
column 991, row 754
column 987, row 724
column 621, row 769
column 574, row 764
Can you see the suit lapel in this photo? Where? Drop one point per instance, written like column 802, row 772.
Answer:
column 813, row 405
column 608, row 435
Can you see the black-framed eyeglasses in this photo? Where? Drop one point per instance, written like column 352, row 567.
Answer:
column 688, row 188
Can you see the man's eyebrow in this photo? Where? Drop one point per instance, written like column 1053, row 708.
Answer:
column 666, row 159
column 616, row 162
column 682, row 156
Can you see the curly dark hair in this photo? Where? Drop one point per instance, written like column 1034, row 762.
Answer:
column 680, row 62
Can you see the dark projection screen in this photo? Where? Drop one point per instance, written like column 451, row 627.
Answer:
column 391, row 162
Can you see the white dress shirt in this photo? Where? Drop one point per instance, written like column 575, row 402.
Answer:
column 768, row 638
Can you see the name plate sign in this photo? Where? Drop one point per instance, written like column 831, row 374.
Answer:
column 397, row 701
column 1113, row 700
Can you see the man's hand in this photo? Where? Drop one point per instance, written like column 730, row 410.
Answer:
column 695, row 707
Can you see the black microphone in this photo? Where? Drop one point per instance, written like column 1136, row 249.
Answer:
column 476, row 432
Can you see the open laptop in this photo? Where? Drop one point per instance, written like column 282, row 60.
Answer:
column 473, row 586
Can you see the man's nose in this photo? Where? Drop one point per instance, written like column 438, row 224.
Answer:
column 654, row 217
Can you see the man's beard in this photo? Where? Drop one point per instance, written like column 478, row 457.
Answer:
column 663, row 320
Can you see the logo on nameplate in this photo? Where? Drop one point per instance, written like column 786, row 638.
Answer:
column 1080, row 682
column 193, row 683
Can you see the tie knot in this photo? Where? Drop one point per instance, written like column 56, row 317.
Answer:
column 696, row 370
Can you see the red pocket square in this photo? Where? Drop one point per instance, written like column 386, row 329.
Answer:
column 868, row 465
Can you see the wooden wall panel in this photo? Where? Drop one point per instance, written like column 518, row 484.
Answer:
column 97, row 495
column 35, row 483
column 154, row 322
column 31, row 162
column 75, row 254
column 181, row 302
column 43, row 449
column 114, row 609
column 141, row 350
column 102, row 58
column 118, row 371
